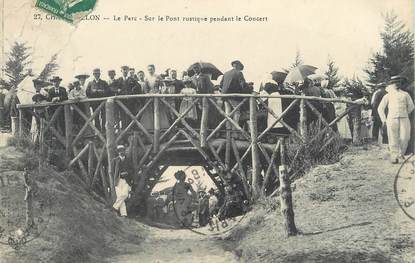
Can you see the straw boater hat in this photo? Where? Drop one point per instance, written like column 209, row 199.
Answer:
column 396, row 79
column 120, row 147
column 56, row 79
column 180, row 175
column 82, row 76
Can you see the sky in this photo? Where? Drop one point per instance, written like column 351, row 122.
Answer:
column 346, row 30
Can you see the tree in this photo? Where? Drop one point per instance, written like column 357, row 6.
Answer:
column 397, row 55
column 355, row 87
column 17, row 65
column 49, row 68
column 332, row 73
column 297, row 61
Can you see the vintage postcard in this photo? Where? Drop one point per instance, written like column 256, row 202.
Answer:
column 207, row 131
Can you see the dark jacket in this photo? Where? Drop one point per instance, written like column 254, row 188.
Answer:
column 203, row 84
column 122, row 169
column 377, row 97
column 233, row 81
column 97, row 89
column 61, row 94
column 129, row 86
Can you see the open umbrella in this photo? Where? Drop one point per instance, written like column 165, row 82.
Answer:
column 279, row 76
column 299, row 73
column 207, row 68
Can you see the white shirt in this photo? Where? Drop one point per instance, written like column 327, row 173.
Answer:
column 399, row 104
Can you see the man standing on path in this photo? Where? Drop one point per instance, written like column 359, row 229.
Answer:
column 400, row 105
column 122, row 176
column 377, row 123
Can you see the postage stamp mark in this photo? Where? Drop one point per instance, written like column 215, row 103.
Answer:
column 404, row 187
column 68, row 10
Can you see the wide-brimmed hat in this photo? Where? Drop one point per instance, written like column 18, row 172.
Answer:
column 180, row 175
column 120, row 147
column 82, row 76
column 237, row 62
column 55, row 79
column 396, row 79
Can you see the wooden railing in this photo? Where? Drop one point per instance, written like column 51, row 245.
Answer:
column 89, row 131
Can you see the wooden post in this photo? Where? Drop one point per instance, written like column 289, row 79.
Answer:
column 285, row 195
column 68, row 130
column 90, row 160
column 41, row 130
column 156, row 143
column 134, row 154
column 20, row 123
column 29, row 200
column 356, row 124
column 303, row 119
column 110, row 134
column 228, row 136
column 204, row 122
column 254, row 151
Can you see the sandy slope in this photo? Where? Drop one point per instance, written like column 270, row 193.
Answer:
column 347, row 213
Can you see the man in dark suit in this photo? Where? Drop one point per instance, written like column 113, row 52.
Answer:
column 233, row 81
column 57, row 94
column 128, row 85
column 377, row 123
column 202, row 81
column 98, row 88
column 112, row 82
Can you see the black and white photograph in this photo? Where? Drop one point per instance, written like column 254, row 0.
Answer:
column 207, row 131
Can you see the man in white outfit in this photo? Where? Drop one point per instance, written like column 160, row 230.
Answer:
column 399, row 105
column 122, row 175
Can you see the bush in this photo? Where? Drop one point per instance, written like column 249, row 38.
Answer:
column 323, row 148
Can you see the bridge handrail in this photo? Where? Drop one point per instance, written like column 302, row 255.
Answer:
column 236, row 95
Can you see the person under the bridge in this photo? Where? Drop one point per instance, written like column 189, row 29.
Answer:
column 122, row 177
column 183, row 193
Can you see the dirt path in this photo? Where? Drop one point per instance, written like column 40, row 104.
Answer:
column 177, row 246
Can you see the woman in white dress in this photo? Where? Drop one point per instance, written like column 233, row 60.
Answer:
column 191, row 115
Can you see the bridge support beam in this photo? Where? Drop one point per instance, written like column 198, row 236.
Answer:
column 110, row 134
column 287, row 210
column 256, row 169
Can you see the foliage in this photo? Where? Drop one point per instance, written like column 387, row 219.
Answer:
column 354, row 88
column 298, row 60
column 332, row 73
column 17, row 65
column 326, row 148
column 49, row 68
column 397, row 55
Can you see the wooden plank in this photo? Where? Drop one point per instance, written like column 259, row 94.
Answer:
column 228, row 137
column 287, row 210
column 242, row 173
column 88, row 123
column 270, row 165
column 156, row 135
column 90, row 159
column 20, row 123
column 78, row 155
column 256, row 165
column 81, row 164
column 204, row 122
column 53, row 118
column 134, row 119
column 68, row 130
column 110, row 133
column 234, row 124
column 178, row 119
column 285, row 112
column 303, row 119
column 134, row 152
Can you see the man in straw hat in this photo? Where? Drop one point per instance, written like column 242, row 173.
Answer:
column 400, row 105
column 98, row 88
column 57, row 94
column 122, row 176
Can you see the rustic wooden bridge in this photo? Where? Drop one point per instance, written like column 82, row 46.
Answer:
column 250, row 148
